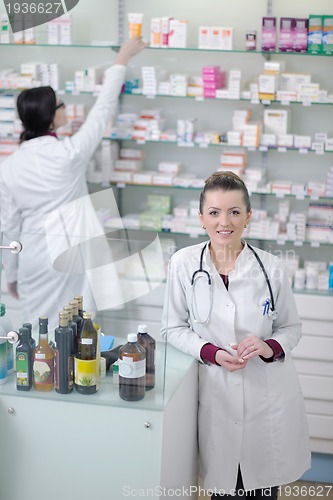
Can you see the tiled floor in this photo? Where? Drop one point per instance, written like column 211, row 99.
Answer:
column 302, row 490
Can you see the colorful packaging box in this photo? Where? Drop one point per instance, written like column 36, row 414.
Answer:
column 287, row 28
column 268, row 34
column 327, row 38
column 315, row 34
column 300, row 36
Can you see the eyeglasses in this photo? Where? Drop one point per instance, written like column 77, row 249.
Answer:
column 60, row 105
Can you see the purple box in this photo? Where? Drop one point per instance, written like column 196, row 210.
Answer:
column 286, row 35
column 268, row 34
column 300, row 36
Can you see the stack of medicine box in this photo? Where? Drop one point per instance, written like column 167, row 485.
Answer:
column 7, row 115
column 148, row 126
column 186, row 130
column 269, row 79
column 129, row 163
column 233, row 90
column 167, row 170
column 329, row 183
column 149, row 80
column 320, row 222
column 213, row 79
column 240, row 119
column 157, row 207
column 233, row 161
column 178, row 85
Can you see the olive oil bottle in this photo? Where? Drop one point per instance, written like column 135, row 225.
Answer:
column 86, row 371
column 132, row 370
column 43, row 359
column 24, row 361
column 63, row 362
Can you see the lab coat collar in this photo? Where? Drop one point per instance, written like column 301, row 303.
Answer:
column 38, row 141
column 243, row 261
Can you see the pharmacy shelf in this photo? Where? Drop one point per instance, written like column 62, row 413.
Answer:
column 279, row 241
column 114, row 46
column 265, row 102
column 123, row 185
column 279, row 149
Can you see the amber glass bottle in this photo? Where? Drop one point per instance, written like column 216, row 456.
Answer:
column 146, row 341
column 132, row 370
column 43, row 359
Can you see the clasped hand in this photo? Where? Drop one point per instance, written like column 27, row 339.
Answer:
column 248, row 348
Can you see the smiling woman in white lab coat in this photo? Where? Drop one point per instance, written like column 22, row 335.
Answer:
column 42, row 178
column 252, row 424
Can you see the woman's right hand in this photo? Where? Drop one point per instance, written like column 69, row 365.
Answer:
column 130, row 48
column 229, row 362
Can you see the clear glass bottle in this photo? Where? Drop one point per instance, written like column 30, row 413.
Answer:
column 146, row 341
column 24, row 361
column 63, row 361
column 86, row 370
column 132, row 370
column 43, row 359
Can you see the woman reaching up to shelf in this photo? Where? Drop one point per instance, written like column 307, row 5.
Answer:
column 44, row 200
column 231, row 307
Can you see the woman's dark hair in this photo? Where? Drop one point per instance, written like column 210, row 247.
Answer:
column 36, row 108
column 226, row 181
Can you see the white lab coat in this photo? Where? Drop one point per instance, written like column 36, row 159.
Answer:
column 254, row 417
column 37, row 184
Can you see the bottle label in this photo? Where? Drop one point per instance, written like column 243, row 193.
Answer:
column 3, row 361
column 43, row 371
column 128, row 368
column 22, row 367
column 85, row 372
column 87, row 341
column 39, row 356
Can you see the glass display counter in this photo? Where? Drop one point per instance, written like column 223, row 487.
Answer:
column 98, row 445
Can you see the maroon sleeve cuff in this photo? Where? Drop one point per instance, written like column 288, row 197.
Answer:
column 208, row 352
column 278, row 352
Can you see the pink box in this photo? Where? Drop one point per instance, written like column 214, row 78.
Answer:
column 209, row 93
column 208, row 70
column 300, row 35
column 268, row 34
column 287, row 29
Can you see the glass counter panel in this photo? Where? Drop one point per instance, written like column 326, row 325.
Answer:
column 120, row 276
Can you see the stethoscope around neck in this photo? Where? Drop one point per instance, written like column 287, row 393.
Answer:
column 271, row 311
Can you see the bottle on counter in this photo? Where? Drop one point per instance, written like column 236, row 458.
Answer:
column 24, row 361
column 3, row 357
column 31, row 339
column 77, row 319
column 86, row 369
column 146, row 341
column 132, row 369
column 63, row 361
column 6, row 324
column 43, row 359
column 73, row 326
column 79, row 300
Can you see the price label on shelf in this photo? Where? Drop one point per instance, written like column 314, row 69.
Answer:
column 266, row 102
column 298, row 243
column 285, row 103
column 263, row 148
column 251, row 148
column 121, row 185
column 193, row 235
column 282, row 149
column 279, row 195
column 150, row 96
column 76, row 92
column 300, row 196
column 303, row 151
column 199, row 98
column 315, row 244
column 255, row 101
column 203, row 145
column 314, row 197
column 141, row 141
column 320, row 152
column 281, row 241
column 185, row 144
column 306, row 102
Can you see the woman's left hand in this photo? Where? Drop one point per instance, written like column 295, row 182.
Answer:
column 253, row 346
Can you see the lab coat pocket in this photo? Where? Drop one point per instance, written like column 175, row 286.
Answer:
column 265, row 323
